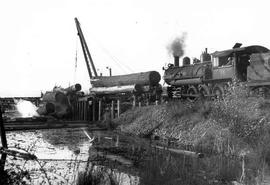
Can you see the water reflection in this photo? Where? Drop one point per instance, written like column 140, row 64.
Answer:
column 155, row 166
column 69, row 156
column 61, row 154
column 164, row 167
column 72, row 139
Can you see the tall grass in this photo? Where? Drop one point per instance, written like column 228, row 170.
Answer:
column 235, row 125
column 231, row 125
column 244, row 117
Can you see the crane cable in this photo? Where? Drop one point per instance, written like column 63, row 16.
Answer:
column 115, row 60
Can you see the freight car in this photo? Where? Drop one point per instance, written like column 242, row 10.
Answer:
column 144, row 85
column 209, row 76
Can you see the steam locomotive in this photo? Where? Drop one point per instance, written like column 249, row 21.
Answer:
column 210, row 76
column 59, row 101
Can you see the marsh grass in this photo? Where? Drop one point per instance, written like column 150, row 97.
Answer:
column 15, row 176
column 95, row 176
column 235, row 125
column 166, row 168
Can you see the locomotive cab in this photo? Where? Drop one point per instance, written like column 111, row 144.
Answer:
column 233, row 63
column 223, row 68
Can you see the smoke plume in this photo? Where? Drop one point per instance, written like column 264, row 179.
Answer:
column 177, row 46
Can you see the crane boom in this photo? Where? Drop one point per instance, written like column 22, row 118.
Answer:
column 86, row 53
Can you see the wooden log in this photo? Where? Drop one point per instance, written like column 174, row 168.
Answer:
column 15, row 153
column 183, row 152
column 144, row 78
column 119, row 89
column 118, row 158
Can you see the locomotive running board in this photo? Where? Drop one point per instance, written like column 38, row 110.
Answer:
column 259, row 83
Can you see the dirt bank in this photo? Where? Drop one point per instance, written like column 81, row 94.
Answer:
column 234, row 125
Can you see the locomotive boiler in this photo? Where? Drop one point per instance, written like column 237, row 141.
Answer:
column 209, row 76
column 59, row 101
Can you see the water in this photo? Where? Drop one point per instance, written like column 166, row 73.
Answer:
column 66, row 156
column 60, row 153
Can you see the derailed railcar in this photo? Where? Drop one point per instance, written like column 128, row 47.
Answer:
column 209, row 76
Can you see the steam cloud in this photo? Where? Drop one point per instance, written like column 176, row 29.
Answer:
column 26, row 108
column 177, row 46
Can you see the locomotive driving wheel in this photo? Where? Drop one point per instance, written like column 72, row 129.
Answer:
column 192, row 93
column 218, row 91
column 226, row 87
column 204, row 91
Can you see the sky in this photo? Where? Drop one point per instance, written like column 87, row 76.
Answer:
column 39, row 42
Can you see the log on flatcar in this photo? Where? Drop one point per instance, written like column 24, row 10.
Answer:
column 144, row 78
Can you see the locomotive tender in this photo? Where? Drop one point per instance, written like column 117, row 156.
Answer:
column 210, row 76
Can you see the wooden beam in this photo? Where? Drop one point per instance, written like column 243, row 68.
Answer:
column 118, row 108
column 85, row 110
column 134, row 101
column 183, row 152
column 94, row 110
column 112, row 110
column 99, row 110
column 3, row 131
column 4, row 142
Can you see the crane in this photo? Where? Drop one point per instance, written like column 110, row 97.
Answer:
column 86, row 53
column 135, row 83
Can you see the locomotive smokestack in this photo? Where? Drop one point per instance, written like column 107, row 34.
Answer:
column 176, row 61
column 176, row 48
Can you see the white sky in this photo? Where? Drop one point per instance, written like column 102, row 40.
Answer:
column 38, row 39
